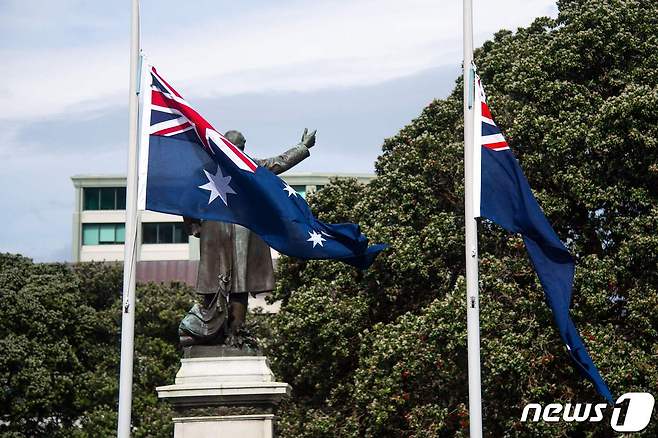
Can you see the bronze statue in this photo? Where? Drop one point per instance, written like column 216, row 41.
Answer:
column 234, row 262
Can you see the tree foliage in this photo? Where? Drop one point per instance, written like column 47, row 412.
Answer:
column 383, row 352
column 59, row 350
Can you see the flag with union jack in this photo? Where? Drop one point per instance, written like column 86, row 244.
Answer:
column 187, row 168
column 503, row 195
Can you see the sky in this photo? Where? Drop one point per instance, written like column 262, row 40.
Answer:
column 355, row 70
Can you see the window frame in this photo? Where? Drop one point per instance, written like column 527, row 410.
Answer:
column 118, row 229
column 160, row 229
column 118, row 198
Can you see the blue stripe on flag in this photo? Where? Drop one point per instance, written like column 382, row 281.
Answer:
column 488, row 129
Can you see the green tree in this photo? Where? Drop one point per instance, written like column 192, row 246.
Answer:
column 383, row 352
column 59, row 349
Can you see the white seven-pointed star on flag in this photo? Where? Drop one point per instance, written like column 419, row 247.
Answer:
column 290, row 190
column 218, row 186
column 316, row 238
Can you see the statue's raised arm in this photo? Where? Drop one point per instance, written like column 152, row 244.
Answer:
column 289, row 158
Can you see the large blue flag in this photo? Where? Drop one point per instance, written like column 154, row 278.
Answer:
column 187, row 168
column 505, row 198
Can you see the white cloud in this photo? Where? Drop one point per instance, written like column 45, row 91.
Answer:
column 47, row 82
column 299, row 46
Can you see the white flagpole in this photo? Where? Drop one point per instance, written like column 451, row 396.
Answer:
column 471, row 245
column 128, row 304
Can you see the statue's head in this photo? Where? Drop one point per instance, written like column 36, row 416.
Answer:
column 236, row 138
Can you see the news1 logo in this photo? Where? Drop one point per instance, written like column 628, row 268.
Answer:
column 632, row 416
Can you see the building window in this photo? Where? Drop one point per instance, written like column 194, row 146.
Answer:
column 301, row 190
column 103, row 234
column 164, row 232
column 104, row 198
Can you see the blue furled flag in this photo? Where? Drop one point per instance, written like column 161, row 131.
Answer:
column 188, row 169
column 505, row 198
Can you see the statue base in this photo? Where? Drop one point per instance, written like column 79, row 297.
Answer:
column 221, row 392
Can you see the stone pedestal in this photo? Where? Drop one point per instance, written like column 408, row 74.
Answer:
column 220, row 392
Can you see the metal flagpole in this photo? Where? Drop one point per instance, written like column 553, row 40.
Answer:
column 471, row 244
column 128, row 305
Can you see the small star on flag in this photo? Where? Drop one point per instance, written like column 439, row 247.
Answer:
column 316, row 238
column 290, row 190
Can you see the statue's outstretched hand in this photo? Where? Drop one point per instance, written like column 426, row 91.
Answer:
column 308, row 140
